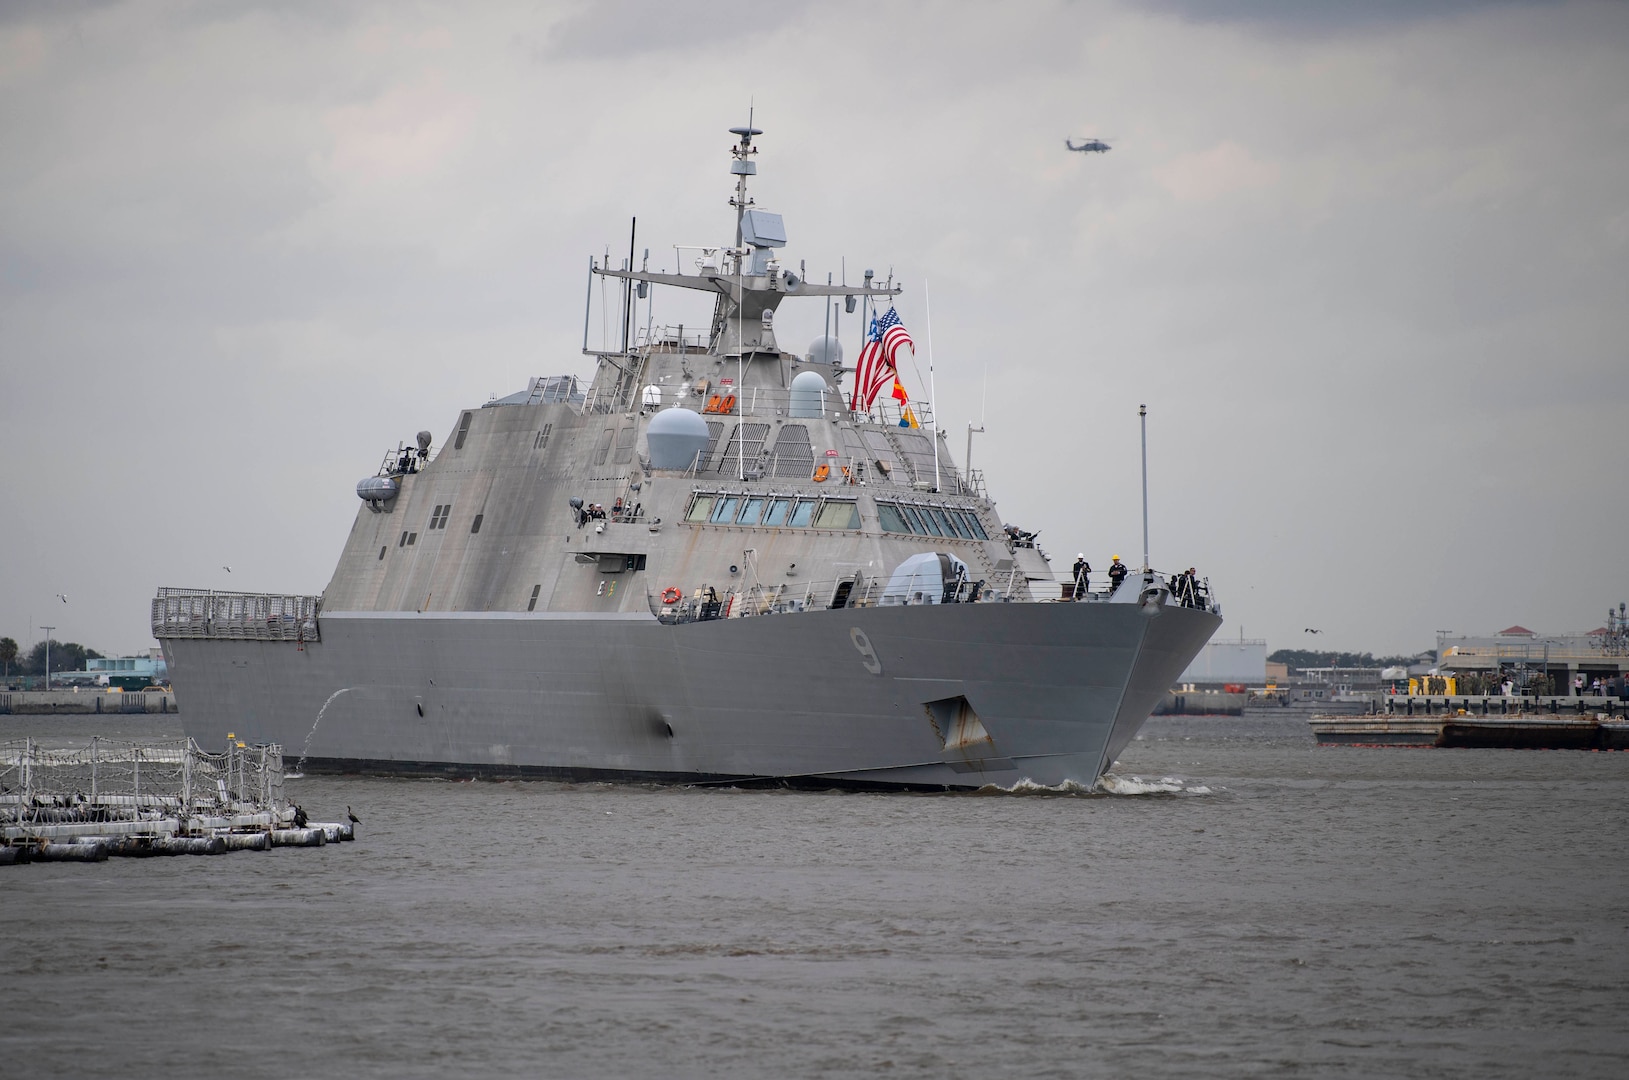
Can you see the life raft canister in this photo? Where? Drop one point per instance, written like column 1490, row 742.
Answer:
column 670, row 595
column 821, row 472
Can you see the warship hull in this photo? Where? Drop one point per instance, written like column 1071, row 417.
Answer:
column 952, row 696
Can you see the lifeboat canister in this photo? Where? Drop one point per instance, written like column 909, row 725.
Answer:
column 376, row 489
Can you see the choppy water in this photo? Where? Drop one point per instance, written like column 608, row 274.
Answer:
column 1264, row 907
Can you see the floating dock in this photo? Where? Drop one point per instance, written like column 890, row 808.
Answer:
column 1551, row 723
column 86, row 804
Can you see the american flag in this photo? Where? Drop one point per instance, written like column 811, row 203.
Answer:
column 876, row 366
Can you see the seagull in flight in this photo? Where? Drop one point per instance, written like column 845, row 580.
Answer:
column 228, row 569
column 1310, row 630
column 63, row 597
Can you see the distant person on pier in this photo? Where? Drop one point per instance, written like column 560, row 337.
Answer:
column 1117, row 574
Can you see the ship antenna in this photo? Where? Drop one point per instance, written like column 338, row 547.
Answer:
column 743, row 166
column 933, row 394
column 1142, row 413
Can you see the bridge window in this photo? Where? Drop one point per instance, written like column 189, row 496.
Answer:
column 801, row 514
column 838, row 515
column 752, row 509
column 700, row 509
column 724, row 510
column 776, row 514
column 892, row 520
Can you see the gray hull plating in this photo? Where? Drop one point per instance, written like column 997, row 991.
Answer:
column 954, row 696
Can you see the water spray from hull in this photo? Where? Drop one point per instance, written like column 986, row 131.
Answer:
column 305, row 750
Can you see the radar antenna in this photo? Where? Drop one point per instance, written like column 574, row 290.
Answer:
column 743, row 166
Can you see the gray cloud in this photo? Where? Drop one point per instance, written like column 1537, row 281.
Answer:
column 1314, row 18
column 1367, row 278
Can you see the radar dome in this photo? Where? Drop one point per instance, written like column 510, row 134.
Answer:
column 825, row 350
column 675, row 436
column 809, row 390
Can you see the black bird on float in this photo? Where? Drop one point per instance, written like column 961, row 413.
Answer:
column 352, row 815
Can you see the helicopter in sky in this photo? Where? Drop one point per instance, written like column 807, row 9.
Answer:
column 1090, row 146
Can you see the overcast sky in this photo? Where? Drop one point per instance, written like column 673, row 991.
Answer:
column 1368, row 269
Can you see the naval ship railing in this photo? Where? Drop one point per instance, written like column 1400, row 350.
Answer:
column 205, row 613
column 708, row 602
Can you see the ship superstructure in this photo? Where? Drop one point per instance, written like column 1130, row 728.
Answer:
column 702, row 566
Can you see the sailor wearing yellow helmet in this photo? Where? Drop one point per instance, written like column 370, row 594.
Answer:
column 1117, row 574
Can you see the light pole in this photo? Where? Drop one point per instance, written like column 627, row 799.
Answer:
column 47, row 630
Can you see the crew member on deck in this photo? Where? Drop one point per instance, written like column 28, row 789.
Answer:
column 1117, row 574
column 1082, row 570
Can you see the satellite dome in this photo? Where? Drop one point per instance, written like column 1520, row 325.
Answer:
column 809, row 390
column 675, row 436
column 825, row 350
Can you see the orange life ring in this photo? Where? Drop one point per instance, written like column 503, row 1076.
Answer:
column 670, row 595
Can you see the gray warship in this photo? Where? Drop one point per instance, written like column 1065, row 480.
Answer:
column 709, row 564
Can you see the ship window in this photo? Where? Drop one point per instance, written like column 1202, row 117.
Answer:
column 801, row 513
column 531, row 605
column 751, row 510
column 892, row 520
column 542, row 439
column 475, row 526
column 838, row 515
column 924, row 523
column 382, row 552
column 977, row 527
column 438, row 516
column 776, row 514
column 938, row 520
column 412, row 538
column 605, row 446
column 958, row 524
column 403, row 541
column 625, row 441
column 724, row 510
column 463, row 430
column 700, row 509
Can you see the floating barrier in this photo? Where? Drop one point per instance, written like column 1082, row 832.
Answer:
column 70, row 853
column 297, row 838
column 147, row 800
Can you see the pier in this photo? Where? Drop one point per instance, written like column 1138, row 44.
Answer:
column 90, row 700
column 171, row 797
column 1533, row 723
